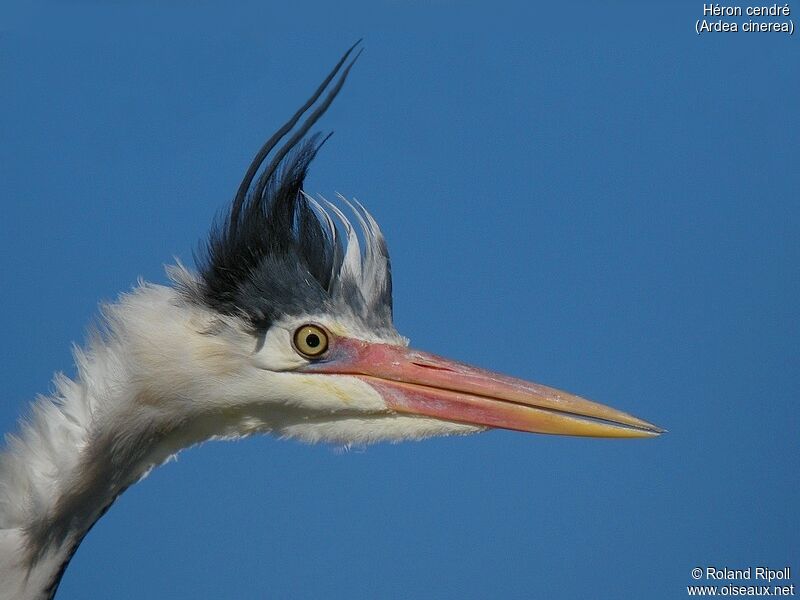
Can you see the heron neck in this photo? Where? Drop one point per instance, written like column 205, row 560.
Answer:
column 81, row 448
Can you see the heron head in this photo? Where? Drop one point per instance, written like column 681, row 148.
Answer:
column 301, row 295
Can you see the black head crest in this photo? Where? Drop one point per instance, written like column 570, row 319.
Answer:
column 278, row 252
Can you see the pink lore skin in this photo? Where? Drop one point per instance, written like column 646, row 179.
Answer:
column 423, row 384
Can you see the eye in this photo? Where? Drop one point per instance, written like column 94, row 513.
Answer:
column 311, row 341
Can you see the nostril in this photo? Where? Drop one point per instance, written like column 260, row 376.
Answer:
column 431, row 366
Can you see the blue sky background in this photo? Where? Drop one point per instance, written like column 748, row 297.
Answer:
column 592, row 197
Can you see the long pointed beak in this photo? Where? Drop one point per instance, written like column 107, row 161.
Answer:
column 419, row 383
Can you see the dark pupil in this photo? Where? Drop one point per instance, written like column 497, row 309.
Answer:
column 312, row 340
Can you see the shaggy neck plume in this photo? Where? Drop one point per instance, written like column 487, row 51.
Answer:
column 84, row 446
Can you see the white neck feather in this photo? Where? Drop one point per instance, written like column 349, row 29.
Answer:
column 97, row 435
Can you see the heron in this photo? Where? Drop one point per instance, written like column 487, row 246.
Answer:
column 284, row 327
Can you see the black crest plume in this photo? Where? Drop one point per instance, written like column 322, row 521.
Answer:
column 273, row 254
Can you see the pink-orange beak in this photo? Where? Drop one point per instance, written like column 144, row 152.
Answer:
column 418, row 383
